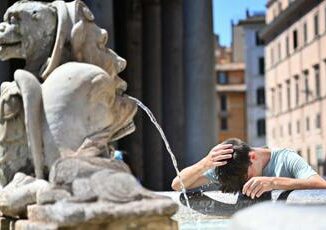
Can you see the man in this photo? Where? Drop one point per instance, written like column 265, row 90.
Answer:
column 238, row 167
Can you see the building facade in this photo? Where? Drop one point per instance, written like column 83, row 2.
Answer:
column 230, row 89
column 295, row 57
column 254, row 78
column 231, row 101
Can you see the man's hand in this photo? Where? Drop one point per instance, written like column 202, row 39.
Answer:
column 218, row 156
column 256, row 186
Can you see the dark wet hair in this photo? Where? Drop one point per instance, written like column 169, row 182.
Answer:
column 234, row 174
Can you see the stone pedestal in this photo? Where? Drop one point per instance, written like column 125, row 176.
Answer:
column 143, row 214
column 152, row 223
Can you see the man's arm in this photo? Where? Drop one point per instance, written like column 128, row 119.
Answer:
column 256, row 186
column 193, row 177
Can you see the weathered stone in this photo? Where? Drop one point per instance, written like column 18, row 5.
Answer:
column 271, row 215
column 70, row 214
column 66, row 32
column 28, row 225
column 50, row 196
column 65, row 170
column 118, row 187
column 82, row 190
column 19, row 193
column 68, row 113
column 144, row 223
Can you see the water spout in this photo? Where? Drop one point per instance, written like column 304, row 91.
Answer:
column 167, row 145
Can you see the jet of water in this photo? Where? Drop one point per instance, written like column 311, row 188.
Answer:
column 167, row 145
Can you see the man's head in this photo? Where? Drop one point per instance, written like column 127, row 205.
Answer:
column 242, row 166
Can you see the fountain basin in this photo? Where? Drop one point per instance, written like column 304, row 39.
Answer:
column 217, row 210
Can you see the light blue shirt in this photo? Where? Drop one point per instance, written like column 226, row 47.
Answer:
column 283, row 163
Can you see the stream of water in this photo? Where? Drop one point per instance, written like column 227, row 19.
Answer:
column 167, row 145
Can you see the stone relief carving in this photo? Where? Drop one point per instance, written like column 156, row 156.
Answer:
column 64, row 27
column 60, row 114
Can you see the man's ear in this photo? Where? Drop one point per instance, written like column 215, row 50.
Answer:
column 252, row 156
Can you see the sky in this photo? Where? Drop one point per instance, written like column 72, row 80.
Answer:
column 226, row 10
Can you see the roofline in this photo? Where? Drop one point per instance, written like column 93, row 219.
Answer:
column 287, row 18
column 252, row 22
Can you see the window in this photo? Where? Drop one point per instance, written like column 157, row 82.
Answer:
column 298, row 126
column 223, row 102
column 279, row 5
column 261, row 62
column 305, row 33
column 224, row 123
column 287, row 46
column 319, row 154
column 317, row 80
column 261, row 127
column 307, row 123
column 295, row 39
column 318, row 121
column 280, row 97
column 316, row 25
column 279, row 52
column 274, row 13
column 290, row 128
column 222, row 78
column 288, row 92
column 306, row 84
column 296, row 90
column 273, row 99
column 260, row 96
column 259, row 41
column 308, row 155
column 299, row 152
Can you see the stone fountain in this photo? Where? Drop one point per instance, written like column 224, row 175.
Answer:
column 58, row 119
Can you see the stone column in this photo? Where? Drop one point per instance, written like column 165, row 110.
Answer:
column 172, row 82
column 4, row 66
column 152, row 93
column 198, row 51
column 131, row 23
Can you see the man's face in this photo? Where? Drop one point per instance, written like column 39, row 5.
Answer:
column 255, row 168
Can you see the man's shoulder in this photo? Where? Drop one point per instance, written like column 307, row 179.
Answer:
column 282, row 151
column 280, row 155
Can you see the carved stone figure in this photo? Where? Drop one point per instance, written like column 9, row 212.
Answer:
column 60, row 115
column 64, row 27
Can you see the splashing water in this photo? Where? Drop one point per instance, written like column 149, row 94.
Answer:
column 167, row 145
